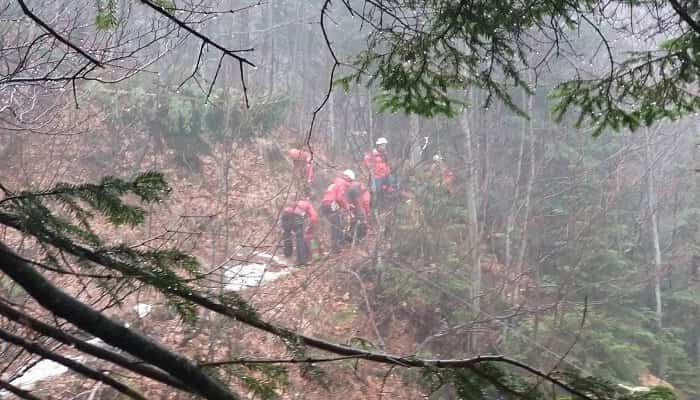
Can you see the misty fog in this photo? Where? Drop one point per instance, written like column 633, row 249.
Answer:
column 503, row 231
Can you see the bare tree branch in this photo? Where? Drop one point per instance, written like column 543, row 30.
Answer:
column 74, row 365
column 336, row 63
column 84, row 317
column 21, row 393
column 117, row 335
column 118, row 359
column 683, row 13
column 55, row 34
column 207, row 40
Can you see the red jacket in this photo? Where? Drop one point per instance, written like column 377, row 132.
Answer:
column 305, row 208
column 363, row 197
column 448, row 179
column 336, row 193
column 377, row 163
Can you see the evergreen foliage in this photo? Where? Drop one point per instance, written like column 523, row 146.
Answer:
column 490, row 381
column 38, row 213
column 421, row 60
column 424, row 58
column 189, row 122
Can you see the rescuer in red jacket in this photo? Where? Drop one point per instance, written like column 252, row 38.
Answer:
column 299, row 221
column 303, row 167
column 334, row 205
column 377, row 163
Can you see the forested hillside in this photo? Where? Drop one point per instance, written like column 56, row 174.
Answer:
column 539, row 239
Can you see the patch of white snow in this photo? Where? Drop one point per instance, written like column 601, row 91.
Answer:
column 44, row 369
column 142, row 309
column 243, row 276
column 272, row 257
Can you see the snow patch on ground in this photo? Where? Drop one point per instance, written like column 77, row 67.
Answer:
column 261, row 268
column 142, row 309
column 45, row 369
column 42, row 370
column 245, row 276
column 272, row 257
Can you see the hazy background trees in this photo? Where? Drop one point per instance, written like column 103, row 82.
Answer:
column 553, row 248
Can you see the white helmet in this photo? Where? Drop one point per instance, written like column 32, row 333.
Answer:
column 382, row 140
column 437, row 157
column 349, row 174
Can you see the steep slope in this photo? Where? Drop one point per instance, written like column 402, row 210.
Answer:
column 226, row 214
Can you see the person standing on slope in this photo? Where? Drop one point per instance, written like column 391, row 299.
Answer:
column 299, row 220
column 303, row 169
column 334, row 205
column 376, row 161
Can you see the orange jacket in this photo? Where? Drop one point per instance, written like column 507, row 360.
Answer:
column 336, row 193
column 304, row 208
column 362, row 199
column 377, row 163
column 448, row 179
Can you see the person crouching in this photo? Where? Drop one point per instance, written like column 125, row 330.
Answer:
column 334, row 205
column 359, row 199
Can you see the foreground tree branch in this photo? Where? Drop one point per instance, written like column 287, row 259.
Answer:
column 685, row 16
column 208, row 41
column 136, row 366
column 39, row 288
column 74, row 365
column 21, row 393
column 90, row 320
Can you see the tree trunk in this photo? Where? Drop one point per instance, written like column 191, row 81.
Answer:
column 514, row 209
column 651, row 201
column 271, row 18
column 696, row 257
column 370, row 117
column 472, row 186
column 415, row 142
column 530, row 182
column 331, row 121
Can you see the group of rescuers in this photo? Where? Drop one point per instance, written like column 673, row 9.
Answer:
column 345, row 203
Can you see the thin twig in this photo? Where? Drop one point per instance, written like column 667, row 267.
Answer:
column 243, row 361
column 336, row 63
column 55, row 34
column 216, row 75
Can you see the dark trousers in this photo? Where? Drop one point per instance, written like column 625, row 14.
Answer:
column 358, row 229
column 335, row 218
column 379, row 196
column 377, row 183
column 293, row 231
